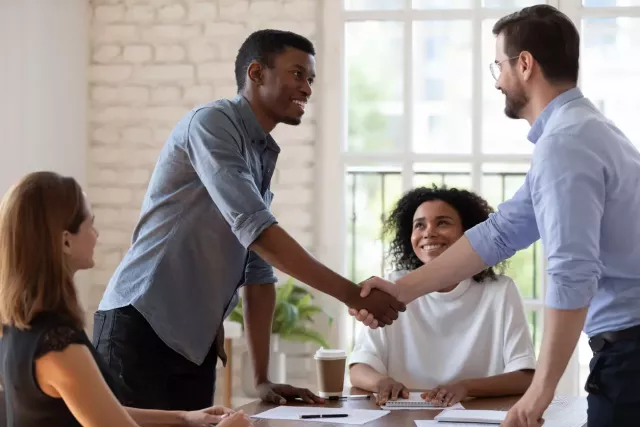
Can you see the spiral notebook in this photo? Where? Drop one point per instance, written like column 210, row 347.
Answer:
column 416, row 402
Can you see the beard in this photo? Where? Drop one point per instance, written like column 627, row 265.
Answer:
column 515, row 101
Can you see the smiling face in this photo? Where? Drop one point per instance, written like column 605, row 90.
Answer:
column 436, row 226
column 286, row 87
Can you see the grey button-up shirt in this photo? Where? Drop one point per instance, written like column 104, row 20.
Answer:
column 207, row 201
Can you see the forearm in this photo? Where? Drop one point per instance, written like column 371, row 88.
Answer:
column 456, row 264
column 279, row 249
column 511, row 383
column 259, row 304
column 152, row 417
column 561, row 332
column 365, row 377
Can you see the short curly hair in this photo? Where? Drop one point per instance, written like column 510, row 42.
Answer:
column 472, row 209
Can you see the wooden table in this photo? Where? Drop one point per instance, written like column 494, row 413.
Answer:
column 394, row 418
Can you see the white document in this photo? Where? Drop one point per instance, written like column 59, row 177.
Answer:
column 434, row 423
column 563, row 412
column 415, row 402
column 422, row 408
column 355, row 416
column 566, row 412
column 472, row 416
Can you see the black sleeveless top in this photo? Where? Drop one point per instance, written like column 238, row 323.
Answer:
column 27, row 405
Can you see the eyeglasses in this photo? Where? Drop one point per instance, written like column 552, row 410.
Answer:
column 496, row 67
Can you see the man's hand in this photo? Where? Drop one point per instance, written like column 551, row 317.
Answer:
column 390, row 389
column 369, row 285
column 206, row 417
column 446, row 395
column 379, row 283
column 381, row 305
column 527, row 412
column 281, row 393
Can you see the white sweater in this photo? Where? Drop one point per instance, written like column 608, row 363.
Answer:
column 477, row 330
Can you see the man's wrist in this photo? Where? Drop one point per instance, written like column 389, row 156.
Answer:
column 182, row 418
column 261, row 380
column 349, row 294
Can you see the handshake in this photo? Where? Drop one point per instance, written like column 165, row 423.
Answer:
column 376, row 303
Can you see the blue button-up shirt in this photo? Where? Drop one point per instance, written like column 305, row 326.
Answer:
column 208, row 199
column 582, row 197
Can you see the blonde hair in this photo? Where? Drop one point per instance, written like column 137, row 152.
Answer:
column 34, row 276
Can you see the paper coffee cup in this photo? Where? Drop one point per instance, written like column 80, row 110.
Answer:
column 330, row 368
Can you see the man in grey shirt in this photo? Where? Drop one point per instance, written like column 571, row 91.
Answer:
column 205, row 230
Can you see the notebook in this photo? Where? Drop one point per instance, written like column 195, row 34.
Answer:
column 415, row 402
column 471, row 416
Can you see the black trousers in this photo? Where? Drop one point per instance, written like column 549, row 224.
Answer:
column 614, row 385
column 156, row 376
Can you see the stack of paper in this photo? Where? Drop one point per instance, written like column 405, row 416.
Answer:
column 472, row 416
column 434, row 423
column 415, row 402
column 354, row 416
column 563, row 412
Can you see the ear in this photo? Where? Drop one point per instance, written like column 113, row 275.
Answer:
column 525, row 63
column 66, row 242
column 254, row 72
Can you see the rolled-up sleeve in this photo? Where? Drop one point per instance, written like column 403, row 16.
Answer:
column 213, row 145
column 511, row 228
column 258, row 271
column 370, row 349
column 568, row 191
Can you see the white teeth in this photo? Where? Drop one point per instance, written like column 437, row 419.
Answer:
column 430, row 247
column 300, row 103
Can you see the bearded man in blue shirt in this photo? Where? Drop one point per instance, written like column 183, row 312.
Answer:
column 581, row 197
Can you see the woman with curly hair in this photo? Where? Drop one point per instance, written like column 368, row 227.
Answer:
column 470, row 340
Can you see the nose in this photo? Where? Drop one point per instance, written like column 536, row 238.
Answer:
column 306, row 89
column 497, row 84
column 430, row 230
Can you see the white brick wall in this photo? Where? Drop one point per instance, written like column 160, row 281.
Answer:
column 151, row 61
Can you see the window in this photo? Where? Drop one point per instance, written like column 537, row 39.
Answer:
column 408, row 100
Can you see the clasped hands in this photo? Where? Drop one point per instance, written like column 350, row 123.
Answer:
column 378, row 303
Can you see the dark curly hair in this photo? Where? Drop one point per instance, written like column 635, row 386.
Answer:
column 472, row 209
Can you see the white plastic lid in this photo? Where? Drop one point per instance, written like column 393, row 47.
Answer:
column 330, row 354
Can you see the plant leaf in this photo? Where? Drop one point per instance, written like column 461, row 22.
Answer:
column 236, row 316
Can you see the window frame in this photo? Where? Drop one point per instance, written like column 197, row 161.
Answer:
column 333, row 160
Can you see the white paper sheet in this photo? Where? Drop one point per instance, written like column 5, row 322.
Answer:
column 563, row 412
column 434, row 423
column 415, row 402
column 421, row 408
column 566, row 412
column 472, row 416
column 356, row 416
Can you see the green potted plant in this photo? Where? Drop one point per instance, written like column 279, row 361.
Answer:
column 293, row 317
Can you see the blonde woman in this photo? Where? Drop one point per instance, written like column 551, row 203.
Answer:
column 52, row 374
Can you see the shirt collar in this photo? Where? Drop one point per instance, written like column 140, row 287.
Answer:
column 256, row 133
column 538, row 126
column 254, row 128
column 453, row 294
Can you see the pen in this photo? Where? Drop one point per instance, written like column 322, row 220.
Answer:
column 306, row 417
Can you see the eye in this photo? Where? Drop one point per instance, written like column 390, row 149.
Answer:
column 418, row 226
column 310, row 80
column 298, row 74
column 443, row 222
